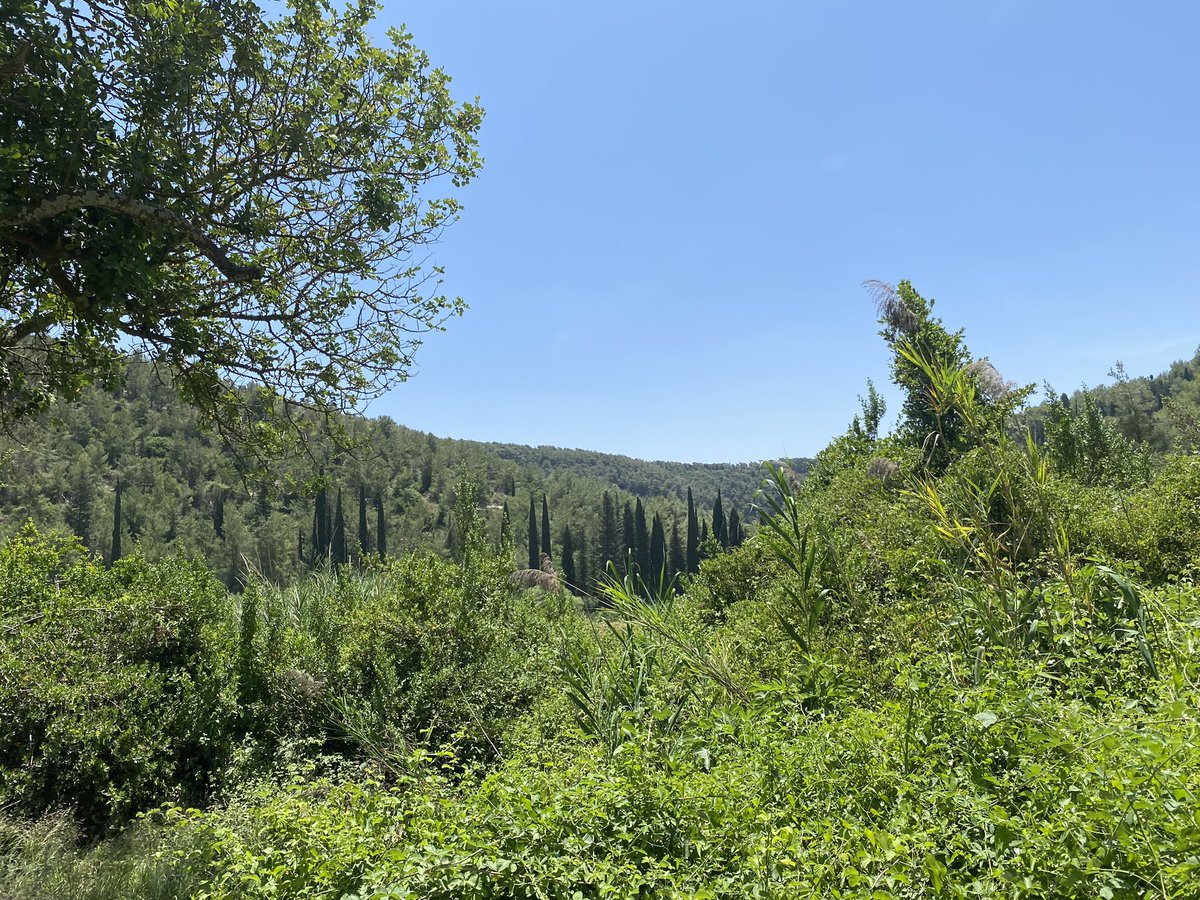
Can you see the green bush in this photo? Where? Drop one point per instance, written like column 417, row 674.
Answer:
column 115, row 686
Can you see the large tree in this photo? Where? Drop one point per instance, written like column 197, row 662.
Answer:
column 240, row 196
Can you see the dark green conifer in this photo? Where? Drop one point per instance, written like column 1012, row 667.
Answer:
column 610, row 535
column 338, row 551
column 676, row 561
column 116, row 533
column 693, row 537
column 735, row 529
column 657, row 562
column 568, row 559
column 628, row 538
column 380, row 528
column 535, row 557
column 505, row 525
column 546, row 527
column 364, row 536
column 641, row 539
column 718, row 525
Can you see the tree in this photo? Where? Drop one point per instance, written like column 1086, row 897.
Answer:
column 338, row 551
column 693, row 536
column 610, row 535
column 718, row 518
column 677, row 562
column 641, row 540
column 568, row 559
column 364, row 537
column 505, row 526
column 546, row 527
column 237, row 195
column 628, row 537
column 116, row 532
column 535, row 556
column 658, row 552
column 735, row 529
column 380, row 528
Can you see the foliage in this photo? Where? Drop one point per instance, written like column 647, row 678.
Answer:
column 115, row 686
column 240, row 195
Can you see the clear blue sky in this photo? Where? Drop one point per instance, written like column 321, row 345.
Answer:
column 664, row 253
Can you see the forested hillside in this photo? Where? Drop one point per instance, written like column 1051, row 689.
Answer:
column 184, row 489
column 951, row 662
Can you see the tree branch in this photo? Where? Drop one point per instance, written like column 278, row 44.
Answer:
column 15, row 218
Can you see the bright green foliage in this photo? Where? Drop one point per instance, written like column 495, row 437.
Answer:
column 116, row 689
column 1088, row 447
column 237, row 192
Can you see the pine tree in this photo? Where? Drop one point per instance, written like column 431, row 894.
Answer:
column 380, row 528
column 337, row 550
column 546, row 527
column 116, row 533
column 641, row 538
column 535, row 558
column 693, row 537
column 568, row 559
column 718, row 526
column 364, row 537
column 79, row 511
column 658, row 553
column 735, row 529
column 676, row 561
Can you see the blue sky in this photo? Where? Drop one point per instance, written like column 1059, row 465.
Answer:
column 664, row 253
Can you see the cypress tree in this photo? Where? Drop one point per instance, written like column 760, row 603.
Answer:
column 535, row 558
column 641, row 537
column 735, row 529
column 380, row 527
column 321, row 525
column 658, row 553
column 568, row 559
column 300, row 546
column 219, row 514
column 337, row 548
column 693, row 537
column 116, row 533
column 610, row 537
column 505, row 525
column 718, row 526
column 676, row 562
column 546, row 527
column 582, row 570
column 628, row 540
column 703, row 538
column 426, row 474
column 364, row 537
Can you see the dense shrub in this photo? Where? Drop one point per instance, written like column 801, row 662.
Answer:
column 115, row 686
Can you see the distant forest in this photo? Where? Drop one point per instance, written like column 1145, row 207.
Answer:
column 133, row 467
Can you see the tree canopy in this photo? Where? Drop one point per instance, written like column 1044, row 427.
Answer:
column 238, row 195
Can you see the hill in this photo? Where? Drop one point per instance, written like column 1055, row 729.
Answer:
column 182, row 488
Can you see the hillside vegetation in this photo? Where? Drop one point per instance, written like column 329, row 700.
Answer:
column 184, row 489
column 950, row 662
